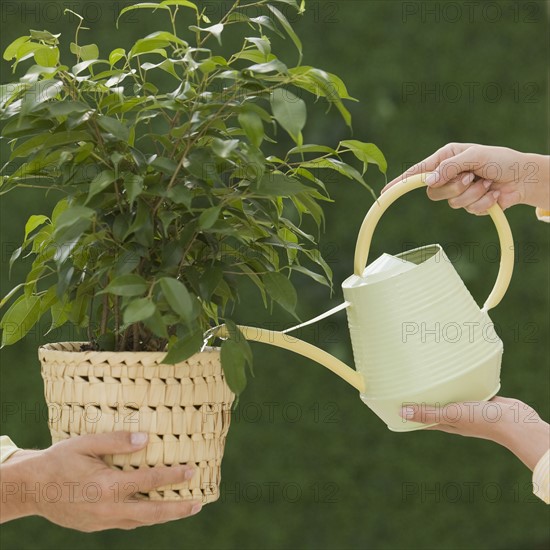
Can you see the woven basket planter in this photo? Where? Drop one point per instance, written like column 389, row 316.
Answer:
column 185, row 409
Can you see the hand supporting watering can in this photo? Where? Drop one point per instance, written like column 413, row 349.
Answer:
column 477, row 177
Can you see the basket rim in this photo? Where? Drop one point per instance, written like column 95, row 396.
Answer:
column 47, row 349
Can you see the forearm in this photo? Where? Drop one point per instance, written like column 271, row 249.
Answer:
column 18, row 497
column 529, row 441
column 536, row 171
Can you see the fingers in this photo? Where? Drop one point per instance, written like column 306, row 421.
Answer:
column 147, row 512
column 108, row 443
column 147, row 479
column 481, row 206
column 430, row 163
column 449, row 191
column 470, row 194
column 446, row 417
column 449, row 169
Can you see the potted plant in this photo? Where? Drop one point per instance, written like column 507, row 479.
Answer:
column 170, row 193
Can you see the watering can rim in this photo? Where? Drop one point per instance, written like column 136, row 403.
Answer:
column 347, row 282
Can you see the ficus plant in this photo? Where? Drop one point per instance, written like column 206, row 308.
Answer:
column 163, row 155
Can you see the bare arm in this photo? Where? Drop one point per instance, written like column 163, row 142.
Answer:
column 476, row 177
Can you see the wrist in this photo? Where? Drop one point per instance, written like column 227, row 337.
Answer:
column 536, row 176
column 527, row 439
column 20, row 486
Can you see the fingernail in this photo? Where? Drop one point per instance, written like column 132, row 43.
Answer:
column 487, row 184
column 189, row 473
column 431, row 178
column 196, row 508
column 138, row 438
column 468, row 178
column 496, row 194
column 407, row 413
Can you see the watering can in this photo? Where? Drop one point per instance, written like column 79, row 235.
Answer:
column 417, row 334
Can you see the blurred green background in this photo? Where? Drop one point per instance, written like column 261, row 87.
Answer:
column 307, row 465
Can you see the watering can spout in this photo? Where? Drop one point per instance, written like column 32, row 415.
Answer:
column 285, row 341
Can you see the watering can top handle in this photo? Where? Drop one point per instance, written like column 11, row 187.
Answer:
column 414, row 182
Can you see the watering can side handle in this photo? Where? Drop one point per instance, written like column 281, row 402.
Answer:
column 300, row 347
column 415, row 182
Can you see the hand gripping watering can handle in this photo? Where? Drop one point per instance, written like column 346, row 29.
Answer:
column 414, row 182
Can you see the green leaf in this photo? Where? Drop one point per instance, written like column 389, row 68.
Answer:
column 338, row 166
column 262, row 44
column 315, row 276
column 253, row 127
column 40, row 92
column 60, row 315
column 290, row 112
column 47, row 140
column 140, row 6
column 47, row 56
column 59, row 208
column 209, row 217
column 116, row 55
column 271, row 66
column 126, row 285
column 113, row 126
column 183, row 3
column 215, row 30
column 180, row 195
column 166, row 165
column 100, row 182
column 154, row 43
column 367, row 153
column 322, row 83
column 311, row 149
column 45, row 36
column 281, row 290
column 288, row 28
column 133, row 184
column 278, row 185
column 156, row 324
column 224, row 148
column 233, row 361
column 33, row 222
column 180, row 350
column 237, row 336
column 7, row 297
column 11, row 51
column 88, row 52
column 67, row 107
column 209, row 281
column 178, row 297
column 138, row 310
column 19, row 319
column 71, row 215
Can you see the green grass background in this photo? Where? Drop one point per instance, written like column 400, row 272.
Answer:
column 307, row 465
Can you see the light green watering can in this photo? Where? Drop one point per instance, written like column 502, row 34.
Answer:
column 417, row 334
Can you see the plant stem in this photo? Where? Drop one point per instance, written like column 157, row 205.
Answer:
column 117, row 321
column 136, row 336
column 104, row 314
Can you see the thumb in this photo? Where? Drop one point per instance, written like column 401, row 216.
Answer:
column 422, row 413
column 109, row 443
column 468, row 160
